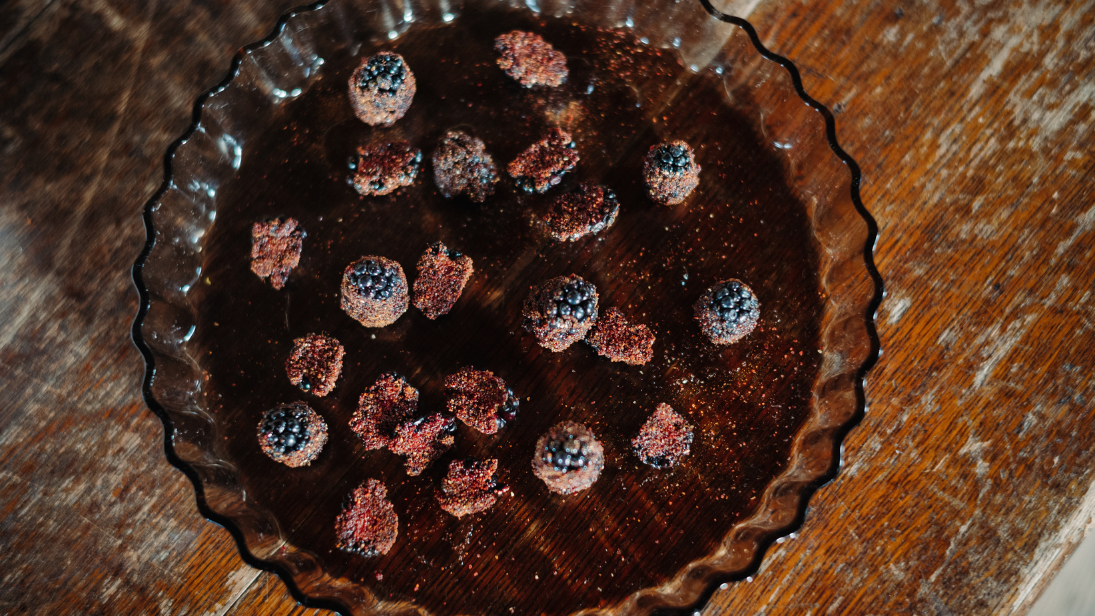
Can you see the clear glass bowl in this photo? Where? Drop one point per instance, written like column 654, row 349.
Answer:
column 187, row 221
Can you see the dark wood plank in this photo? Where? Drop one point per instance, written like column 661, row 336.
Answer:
column 92, row 518
column 966, row 484
column 971, row 476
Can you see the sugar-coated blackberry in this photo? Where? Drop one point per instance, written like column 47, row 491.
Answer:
column 381, row 169
column 421, row 441
column 727, row 311
column 381, row 89
column 529, row 59
column 387, row 403
column 461, row 165
column 568, row 458
column 368, row 524
column 586, row 210
column 315, row 363
column 664, row 439
column 480, row 399
column 545, row 162
column 560, row 311
column 442, row 274
column 470, row 487
column 275, row 249
column 671, row 172
column 616, row 338
column 374, row 291
column 292, row 434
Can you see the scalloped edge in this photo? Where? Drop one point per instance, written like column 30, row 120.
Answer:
column 714, row 580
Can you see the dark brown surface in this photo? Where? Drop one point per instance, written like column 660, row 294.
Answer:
column 969, row 479
column 747, row 401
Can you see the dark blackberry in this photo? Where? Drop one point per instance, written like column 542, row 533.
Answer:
column 566, row 454
column 734, row 303
column 672, row 158
column 670, row 172
column 509, row 409
column 575, row 299
column 285, row 429
column 728, row 311
column 373, row 280
column 384, row 72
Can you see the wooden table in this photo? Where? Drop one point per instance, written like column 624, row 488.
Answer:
column 968, row 482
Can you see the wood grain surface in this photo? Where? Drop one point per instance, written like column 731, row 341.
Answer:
column 970, row 479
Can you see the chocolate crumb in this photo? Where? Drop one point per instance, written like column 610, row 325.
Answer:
column 568, row 458
column 728, row 311
column 560, row 311
column 481, row 400
column 671, row 172
column 421, row 441
column 315, row 363
column 544, row 163
column 470, row 487
column 586, row 210
column 461, row 165
column 442, row 274
column 292, row 434
column 615, row 338
column 374, row 291
column 529, row 59
column 380, row 169
column 275, row 249
column 664, row 439
column 368, row 524
column 381, row 89
column 384, row 405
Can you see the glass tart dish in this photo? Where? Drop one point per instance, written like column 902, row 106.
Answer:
column 776, row 206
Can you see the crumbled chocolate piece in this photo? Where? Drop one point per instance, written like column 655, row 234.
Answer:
column 461, row 165
column 275, row 249
column 529, row 59
column 586, row 210
column 470, row 487
column 292, row 434
column 381, row 89
column 423, row 440
column 481, row 400
column 380, row 169
column 374, row 291
column 543, row 164
column 617, row 339
column 568, row 458
column 315, row 363
column 664, row 439
column 442, row 274
column 560, row 311
column 671, row 172
column 384, row 405
column 368, row 524
column 728, row 311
